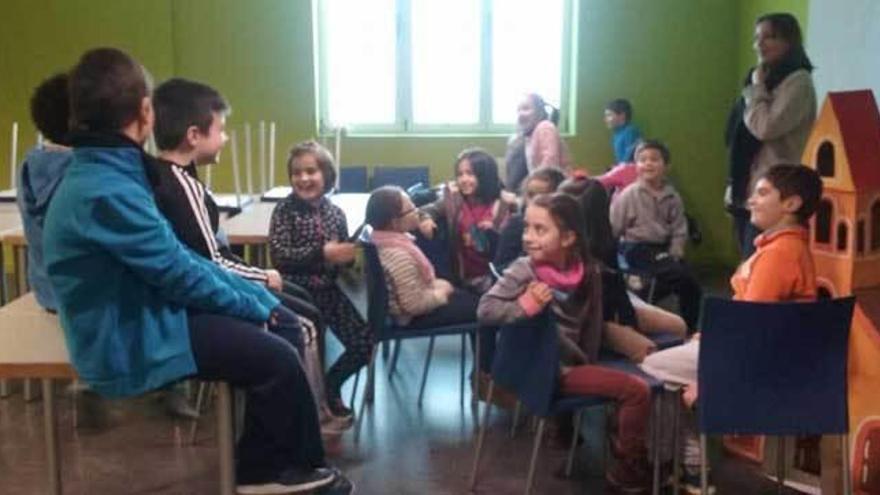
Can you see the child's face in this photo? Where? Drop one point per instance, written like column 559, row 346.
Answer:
column 207, row 146
column 613, row 119
column 768, row 210
column 465, row 178
column 535, row 187
column 650, row 166
column 542, row 239
column 408, row 218
column 307, row 179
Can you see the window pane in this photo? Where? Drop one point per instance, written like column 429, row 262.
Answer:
column 526, row 54
column 446, row 61
column 360, row 50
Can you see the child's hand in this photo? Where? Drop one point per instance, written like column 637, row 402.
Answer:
column 427, row 228
column 540, row 292
column 339, row 253
column 486, row 225
column 274, row 282
column 444, row 287
column 759, row 75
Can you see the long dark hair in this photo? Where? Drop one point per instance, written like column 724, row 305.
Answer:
column 568, row 216
column 594, row 202
column 546, row 110
column 785, row 26
column 486, row 170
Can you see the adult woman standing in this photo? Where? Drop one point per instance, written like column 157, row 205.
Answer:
column 537, row 142
column 771, row 120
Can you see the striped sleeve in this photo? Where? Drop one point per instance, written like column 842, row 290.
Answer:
column 193, row 225
column 410, row 294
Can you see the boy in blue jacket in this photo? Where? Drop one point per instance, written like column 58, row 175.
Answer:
column 139, row 310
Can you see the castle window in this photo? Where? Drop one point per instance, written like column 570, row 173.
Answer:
column 875, row 225
column 823, row 293
column 842, row 236
column 823, row 221
column 825, row 159
column 860, row 236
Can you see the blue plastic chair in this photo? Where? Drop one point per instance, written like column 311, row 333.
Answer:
column 774, row 369
column 386, row 330
column 527, row 364
column 404, row 177
column 353, row 179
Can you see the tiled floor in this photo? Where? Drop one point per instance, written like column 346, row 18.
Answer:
column 404, row 449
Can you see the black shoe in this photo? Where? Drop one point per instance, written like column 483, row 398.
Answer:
column 338, row 409
column 291, row 481
column 91, row 411
column 340, row 486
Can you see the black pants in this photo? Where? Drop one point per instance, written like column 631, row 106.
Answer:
column 351, row 330
column 281, row 428
column 672, row 276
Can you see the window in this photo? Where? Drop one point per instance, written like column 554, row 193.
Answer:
column 823, row 222
column 451, row 66
column 860, row 236
column 825, row 159
column 842, row 236
column 875, row 226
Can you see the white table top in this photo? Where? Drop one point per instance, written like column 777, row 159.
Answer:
column 32, row 343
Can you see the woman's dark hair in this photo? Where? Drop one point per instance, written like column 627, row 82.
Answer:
column 322, row 156
column 50, row 108
column 546, row 110
column 486, row 169
column 551, row 175
column 594, row 201
column 385, row 204
column 568, row 216
column 107, row 88
column 785, row 26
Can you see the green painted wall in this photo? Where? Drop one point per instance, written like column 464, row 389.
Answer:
column 677, row 60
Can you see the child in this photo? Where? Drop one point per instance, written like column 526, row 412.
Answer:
column 40, row 174
column 308, row 242
column 781, row 269
column 537, row 142
column 416, row 296
column 189, row 131
column 475, row 210
column 627, row 318
column 648, row 218
column 139, row 310
column 559, row 272
column 542, row 181
column 624, row 134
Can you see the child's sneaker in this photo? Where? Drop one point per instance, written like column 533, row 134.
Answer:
column 690, row 483
column 291, row 481
column 338, row 409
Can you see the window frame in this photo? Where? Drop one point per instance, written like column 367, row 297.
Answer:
column 404, row 124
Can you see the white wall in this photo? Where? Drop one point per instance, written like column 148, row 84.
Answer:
column 843, row 41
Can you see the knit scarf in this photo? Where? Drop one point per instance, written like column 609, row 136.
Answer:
column 401, row 240
column 566, row 280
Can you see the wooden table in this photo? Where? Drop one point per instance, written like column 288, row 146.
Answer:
column 32, row 345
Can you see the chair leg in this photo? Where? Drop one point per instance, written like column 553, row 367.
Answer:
column 651, row 290
column 364, row 398
column 354, row 389
column 847, row 482
column 658, row 403
column 574, row 440
column 676, row 438
column 538, row 437
column 475, row 376
column 225, row 439
column 200, row 396
column 481, row 436
column 50, row 424
column 385, row 349
column 461, row 370
column 780, row 464
column 425, row 371
column 516, row 412
column 704, row 474
column 4, row 388
column 395, row 353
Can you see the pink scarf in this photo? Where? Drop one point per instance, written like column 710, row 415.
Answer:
column 565, row 280
column 391, row 239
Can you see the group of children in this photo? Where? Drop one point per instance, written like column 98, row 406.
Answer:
column 127, row 249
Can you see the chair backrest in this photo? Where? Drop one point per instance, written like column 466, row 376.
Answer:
column 377, row 290
column 353, row 179
column 526, row 361
column 404, row 177
column 774, row 368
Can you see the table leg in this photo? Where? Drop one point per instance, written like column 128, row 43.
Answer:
column 50, row 424
column 224, row 439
